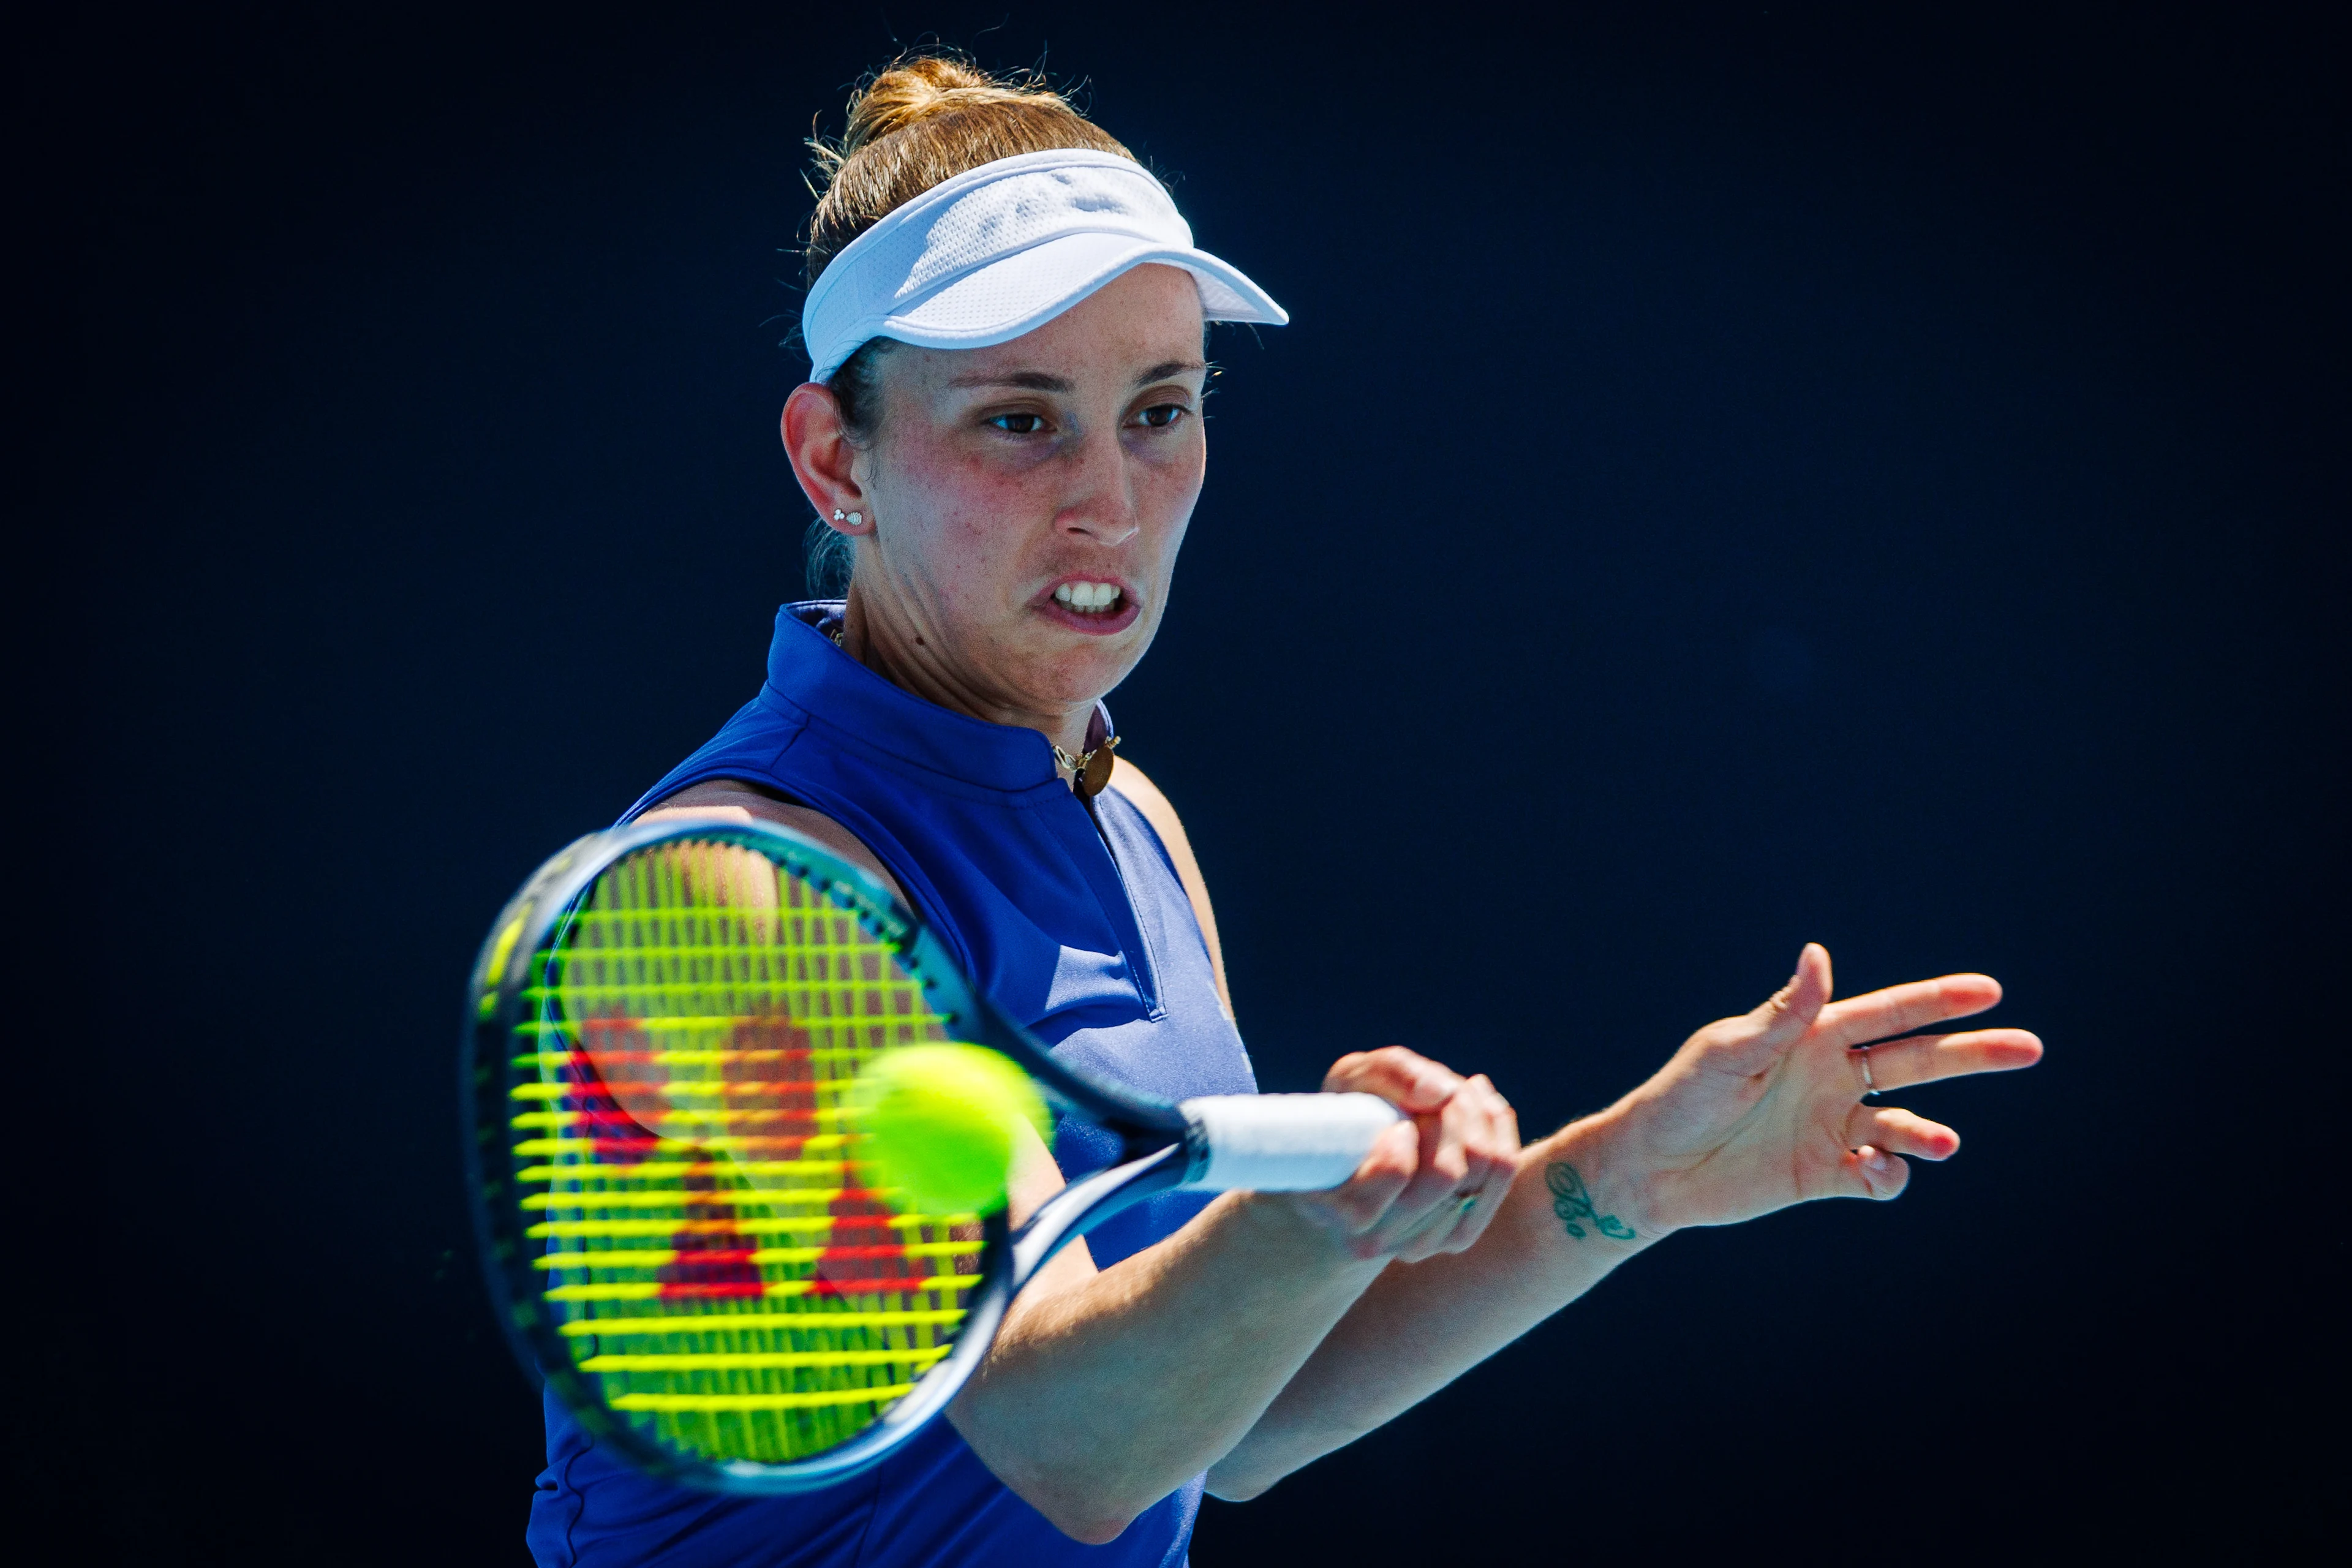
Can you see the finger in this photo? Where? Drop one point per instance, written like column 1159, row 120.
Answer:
column 1419, row 1217
column 1925, row 1059
column 1406, row 1079
column 1896, row 1131
column 1872, row 1172
column 1494, row 1165
column 1472, row 1217
column 1783, row 1019
column 1413, row 1240
column 1368, row 1196
column 1494, row 1144
column 1480, row 1123
column 1454, row 1225
column 1428, row 1148
column 1487, row 1131
column 1445, row 1172
column 1899, row 1009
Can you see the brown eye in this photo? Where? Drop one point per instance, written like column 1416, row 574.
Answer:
column 1161, row 415
column 1018, row 424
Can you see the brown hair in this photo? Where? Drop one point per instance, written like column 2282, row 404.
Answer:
column 918, row 122
column 921, row 122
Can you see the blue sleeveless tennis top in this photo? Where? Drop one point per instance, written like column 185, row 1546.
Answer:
column 1082, row 934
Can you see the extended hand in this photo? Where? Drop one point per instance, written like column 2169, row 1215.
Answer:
column 1757, row 1112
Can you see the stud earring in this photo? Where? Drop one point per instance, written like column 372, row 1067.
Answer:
column 853, row 518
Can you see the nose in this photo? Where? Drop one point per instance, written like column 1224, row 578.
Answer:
column 1100, row 501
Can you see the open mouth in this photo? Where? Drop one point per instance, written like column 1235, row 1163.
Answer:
column 1090, row 605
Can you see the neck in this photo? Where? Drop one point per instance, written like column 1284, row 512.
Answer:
column 912, row 662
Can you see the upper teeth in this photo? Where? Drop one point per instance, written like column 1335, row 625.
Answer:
column 1087, row 595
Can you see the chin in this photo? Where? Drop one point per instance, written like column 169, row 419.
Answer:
column 1064, row 675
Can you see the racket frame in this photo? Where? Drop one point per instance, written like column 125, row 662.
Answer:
column 1155, row 1154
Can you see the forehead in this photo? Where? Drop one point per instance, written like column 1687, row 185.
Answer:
column 1146, row 317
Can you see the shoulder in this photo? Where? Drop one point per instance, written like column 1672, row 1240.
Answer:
column 743, row 802
column 1142, row 793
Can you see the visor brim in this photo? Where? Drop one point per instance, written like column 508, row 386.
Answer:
column 1018, row 293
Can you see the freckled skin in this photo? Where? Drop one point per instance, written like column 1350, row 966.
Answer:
column 979, row 493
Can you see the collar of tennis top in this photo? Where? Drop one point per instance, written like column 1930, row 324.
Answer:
column 999, row 250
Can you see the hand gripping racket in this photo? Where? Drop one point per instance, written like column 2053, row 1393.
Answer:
column 663, row 1034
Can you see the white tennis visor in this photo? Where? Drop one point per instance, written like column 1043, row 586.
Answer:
column 1005, row 248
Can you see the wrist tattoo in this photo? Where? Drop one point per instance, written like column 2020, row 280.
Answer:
column 1574, row 1204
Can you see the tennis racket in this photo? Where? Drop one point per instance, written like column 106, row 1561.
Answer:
column 663, row 1033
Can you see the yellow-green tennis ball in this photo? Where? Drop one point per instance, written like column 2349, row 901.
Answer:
column 939, row 1124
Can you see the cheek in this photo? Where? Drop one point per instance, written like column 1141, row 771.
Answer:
column 982, row 513
column 1171, row 492
column 1180, row 482
column 957, row 517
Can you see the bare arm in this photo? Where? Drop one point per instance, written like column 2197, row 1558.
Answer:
column 1107, row 1389
column 1753, row 1114
column 1423, row 1325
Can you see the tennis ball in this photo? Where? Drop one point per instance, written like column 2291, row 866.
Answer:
column 939, row 1124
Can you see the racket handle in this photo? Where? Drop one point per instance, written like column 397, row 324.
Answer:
column 1280, row 1142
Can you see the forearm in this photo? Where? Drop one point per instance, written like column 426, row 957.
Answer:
column 1422, row 1325
column 1754, row 1114
column 1104, row 1395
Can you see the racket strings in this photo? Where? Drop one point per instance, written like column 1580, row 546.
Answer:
column 681, row 1098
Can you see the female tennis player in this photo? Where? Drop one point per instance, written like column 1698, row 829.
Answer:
column 1002, row 429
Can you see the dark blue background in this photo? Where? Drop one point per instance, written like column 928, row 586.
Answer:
column 1738, row 476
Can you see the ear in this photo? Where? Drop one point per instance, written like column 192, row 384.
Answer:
column 822, row 459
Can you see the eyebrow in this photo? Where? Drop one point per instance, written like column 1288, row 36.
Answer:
column 1041, row 380
column 1168, row 370
column 1027, row 380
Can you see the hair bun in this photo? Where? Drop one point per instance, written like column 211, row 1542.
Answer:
column 914, row 90
column 924, row 119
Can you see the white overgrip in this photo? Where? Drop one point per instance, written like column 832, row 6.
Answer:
column 1281, row 1142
